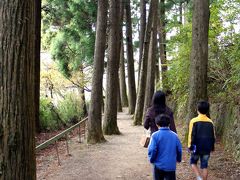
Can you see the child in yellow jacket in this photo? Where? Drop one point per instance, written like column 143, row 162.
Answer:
column 201, row 140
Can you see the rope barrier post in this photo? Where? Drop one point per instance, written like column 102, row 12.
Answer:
column 84, row 129
column 56, row 147
column 66, row 136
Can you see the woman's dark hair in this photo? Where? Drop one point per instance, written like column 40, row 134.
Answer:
column 159, row 102
column 162, row 120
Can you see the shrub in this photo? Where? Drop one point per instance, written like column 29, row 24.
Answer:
column 70, row 108
column 49, row 120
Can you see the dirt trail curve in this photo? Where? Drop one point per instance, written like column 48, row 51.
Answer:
column 121, row 157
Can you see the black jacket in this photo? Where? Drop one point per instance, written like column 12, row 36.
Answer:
column 201, row 134
column 149, row 120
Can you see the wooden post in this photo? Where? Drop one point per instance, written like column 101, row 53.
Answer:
column 56, row 147
column 79, row 133
column 66, row 136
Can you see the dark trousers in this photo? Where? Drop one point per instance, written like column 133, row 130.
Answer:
column 163, row 175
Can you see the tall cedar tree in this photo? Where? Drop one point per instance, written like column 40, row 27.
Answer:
column 37, row 60
column 162, row 43
column 120, row 56
column 110, row 112
column 142, row 32
column 142, row 82
column 17, row 75
column 150, row 84
column 95, row 134
column 157, row 72
column 119, row 98
column 199, row 55
column 130, row 60
column 123, row 88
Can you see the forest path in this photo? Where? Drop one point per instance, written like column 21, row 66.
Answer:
column 121, row 157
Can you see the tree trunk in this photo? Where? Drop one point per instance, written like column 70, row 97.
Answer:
column 151, row 62
column 123, row 89
column 130, row 60
column 110, row 113
column 119, row 98
column 142, row 83
column 162, row 44
column 122, row 81
column 17, row 76
column 180, row 12
column 37, row 61
column 157, row 72
column 142, row 32
column 95, row 134
column 82, row 94
column 199, row 56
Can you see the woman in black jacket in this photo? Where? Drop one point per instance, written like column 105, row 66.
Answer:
column 158, row 107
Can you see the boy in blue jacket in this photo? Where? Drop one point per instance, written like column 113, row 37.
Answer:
column 164, row 150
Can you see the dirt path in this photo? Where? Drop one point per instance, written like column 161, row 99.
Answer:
column 121, row 157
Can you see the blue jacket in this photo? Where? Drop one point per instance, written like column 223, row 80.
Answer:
column 165, row 149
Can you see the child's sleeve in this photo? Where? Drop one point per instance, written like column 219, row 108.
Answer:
column 147, row 120
column 214, row 138
column 190, row 133
column 152, row 149
column 179, row 150
column 172, row 123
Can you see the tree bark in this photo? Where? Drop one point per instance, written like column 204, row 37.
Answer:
column 119, row 98
column 17, row 76
column 95, row 134
column 157, row 71
column 123, row 89
column 37, row 60
column 199, row 56
column 130, row 60
column 142, row 83
column 151, row 62
column 82, row 94
column 162, row 44
column 110, row 114
column 181, row 12
column 121, row 94
column 142, row 32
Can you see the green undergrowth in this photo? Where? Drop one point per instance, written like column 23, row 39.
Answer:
column 67, row 112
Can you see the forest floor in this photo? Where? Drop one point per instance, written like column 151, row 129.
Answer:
column 121, row 157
